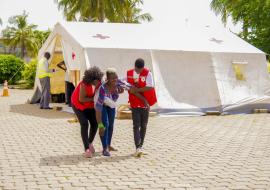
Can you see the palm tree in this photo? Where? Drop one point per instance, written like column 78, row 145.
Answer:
column 86, row 10
column 41, row 37
column 221, row 7
column 128, row 12
column 103, row 10
column 20, row 33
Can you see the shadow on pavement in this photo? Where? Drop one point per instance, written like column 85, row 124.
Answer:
column 33, row 110
column 76, row 159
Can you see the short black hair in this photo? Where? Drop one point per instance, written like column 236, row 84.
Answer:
column 47, row 55
column 91, row 74
column 139, row 63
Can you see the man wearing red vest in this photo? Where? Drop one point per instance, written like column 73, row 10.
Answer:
column 142, row 82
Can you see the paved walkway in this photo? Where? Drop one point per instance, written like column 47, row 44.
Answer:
column 39, row 149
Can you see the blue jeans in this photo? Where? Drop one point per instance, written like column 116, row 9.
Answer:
column 108, row 116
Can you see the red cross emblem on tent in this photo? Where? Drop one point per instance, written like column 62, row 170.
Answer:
column 216, row 40
column 73, row 55
column 100, row 36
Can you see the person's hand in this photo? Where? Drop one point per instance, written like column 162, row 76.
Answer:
column 120, row 90
column 133, row 90
column 147, row 106
column 101, row 129
column 91, row 98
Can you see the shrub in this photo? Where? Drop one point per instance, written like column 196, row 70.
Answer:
column 29, row 72
column 10, row 66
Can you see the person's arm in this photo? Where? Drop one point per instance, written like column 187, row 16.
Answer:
column 144, row 89
column 120, row 90
column 48, row 70
column 99, row 116
column 101, row 127
column 83, row 95
column 98, row 108
column 62, row 65
column 122, row 84
column 143, row 99
column 47, row 66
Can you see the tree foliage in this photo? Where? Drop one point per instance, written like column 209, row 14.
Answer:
column 10, row 66
column 121, row 11
column 29, row 72
column 19, row 33
column 254, row 16
column 41, row 37
column 128, row 11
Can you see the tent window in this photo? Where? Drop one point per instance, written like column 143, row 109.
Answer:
column 239, row 70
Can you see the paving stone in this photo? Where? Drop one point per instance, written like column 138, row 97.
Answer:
column 226, row 152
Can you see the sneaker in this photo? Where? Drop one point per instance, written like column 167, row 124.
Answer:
column 48, row 108
column 138, row 152
column 106, row 153
column 88, row 153
column 92, row 149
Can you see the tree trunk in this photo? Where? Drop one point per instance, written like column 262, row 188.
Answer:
column 101, row 11
column 22, row 50
column 245, row 29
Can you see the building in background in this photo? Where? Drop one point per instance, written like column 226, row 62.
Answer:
column 4, row 49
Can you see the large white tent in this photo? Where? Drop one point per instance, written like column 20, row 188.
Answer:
column 196, row 68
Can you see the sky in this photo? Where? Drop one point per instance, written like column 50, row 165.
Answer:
column 45, row 13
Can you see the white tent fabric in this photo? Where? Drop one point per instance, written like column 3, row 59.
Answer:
column 155, row 37
column 193, row 66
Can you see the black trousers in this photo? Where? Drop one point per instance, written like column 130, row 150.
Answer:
column 84, row 117
column 69, row 90
column 140, row 119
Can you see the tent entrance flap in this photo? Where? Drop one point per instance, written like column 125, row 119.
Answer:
column 75, row 77
column 58, row 78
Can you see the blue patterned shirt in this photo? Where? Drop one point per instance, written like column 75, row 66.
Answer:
column 103, row 93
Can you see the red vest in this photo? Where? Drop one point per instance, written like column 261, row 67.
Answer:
column 149, row 95
column 76, row 94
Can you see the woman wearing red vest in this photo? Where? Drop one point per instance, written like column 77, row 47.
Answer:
column 142, row 82
column 83, row 105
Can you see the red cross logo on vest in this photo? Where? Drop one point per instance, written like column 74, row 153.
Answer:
column 100, row 36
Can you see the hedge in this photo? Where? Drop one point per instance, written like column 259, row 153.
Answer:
column 10, row 66
column 29, row 72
